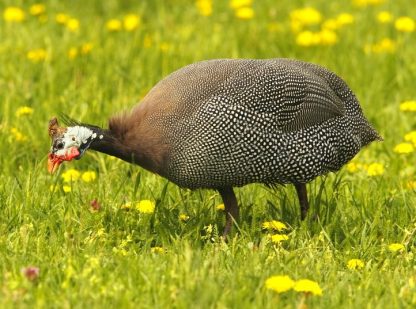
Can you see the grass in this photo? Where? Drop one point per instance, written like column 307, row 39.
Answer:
column 107, row 258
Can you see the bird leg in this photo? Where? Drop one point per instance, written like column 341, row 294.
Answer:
column 303, row 199
column 231, row 207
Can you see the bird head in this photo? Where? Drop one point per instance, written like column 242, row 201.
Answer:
column 67, row 143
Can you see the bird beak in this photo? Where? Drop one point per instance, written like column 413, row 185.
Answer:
column 55, row 160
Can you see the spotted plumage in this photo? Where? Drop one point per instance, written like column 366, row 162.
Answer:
column 224, row 123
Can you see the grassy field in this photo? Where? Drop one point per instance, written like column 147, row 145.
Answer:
column 89, row 236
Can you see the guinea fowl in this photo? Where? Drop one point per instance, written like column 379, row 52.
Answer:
column 223, row 123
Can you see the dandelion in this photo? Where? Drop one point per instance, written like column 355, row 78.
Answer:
column 72, row 53
column 344, row 19
column 86, row 48
column 62, row 18
column 408, row 106
column 327, row 37
column 307, row 286
column 404, row 148
column 355, row 264
column 183, row 217
column 31, row 273
column 71, row 175
column 244, row 13
column 66, row 188
column 146, row 206
column 280, row 284
column 88, row 176
column 411, row 184
column 396, row 247
column 17, row 135
column 236, row 4
column 384, row 17
column 37, row 9
column 411, row 137
column 204, row 7
column 157, row 250
column 113, row 25
column 72, row 25
column 37, row 55
column 352, row 167
column 13, row 14
column 307, row 38
column 364, row 3
column 375, row 169
column 24, row 111
column 405, row 24
column 278, row 238
column 220, row 207
column 274, row 225
column 305, row 17
column 131, row 22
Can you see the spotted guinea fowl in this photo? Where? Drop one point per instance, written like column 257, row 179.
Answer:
column 218, row 124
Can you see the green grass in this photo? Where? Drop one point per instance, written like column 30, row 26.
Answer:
column 105, row 258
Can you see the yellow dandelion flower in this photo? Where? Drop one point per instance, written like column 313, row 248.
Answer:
column 405, row 24
column 330, row 24
column 404, row 148
column 307, row 286
column 183, row 217
column 113, row 25
column 71, row 175
column 352, row 167
column 307, row 38
column 236, row 4
column 37, row 55
column 72, row 24
column 375, row 169
column 37, row 9
column 157, row 250
column 17, row 135
column 244, row 13
column 386, row 45
column 88, row 176
column 131, row 22
column 24, row 111
column 279, row 284
column 355, row 264
column 411, row 137
column 62, row 18
column 344, row 19
column 13, row 14
column 396, row 247
column 364, row 3
column 66, row 188
column 327, row 37
column 278, row 238
column 306, row 16
column 274, row 225
column 411, row 184
column 72, row 53
column 146, row 206
column 384, row 17
column 86, row 48
column 204, row 7
column 408, row 106
column 220, row 207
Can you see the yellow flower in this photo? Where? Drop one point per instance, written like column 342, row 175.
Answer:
column 279, row 284
column 327, row 37
column 66, row 188
column 71, row 175
column 37, row 55
column 384, row 17
column 404, row 24
column 88, row 176
column 158, row 250
column 307, row 38
column 411, row 137
column 13, row 14
column 204, row 7
column 72, row 53
column 344, row 19
column 352, row 167
column 404, row 148
column 145, row 206
column 355, row 264
column 72, row 25
column 113, row 25
column 17, row 135
column 37, row 9
column 183, row 217
column 220, row 207
column 126, row 206
column 307, row 286
column 62, row 18
column 278, row 238
column 396, row 247
column 408, row 106
column 411, row 184
column 306, row 16
column 131, row 22
column 375, row 169
column 86, row 48
column 244, row 13
column 274, row 225
column 24, row 111
column 236, row 4
column 364, row 3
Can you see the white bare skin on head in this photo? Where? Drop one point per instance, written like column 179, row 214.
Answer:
column 75, row 137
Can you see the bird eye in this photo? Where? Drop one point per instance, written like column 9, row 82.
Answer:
column 60, row 145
